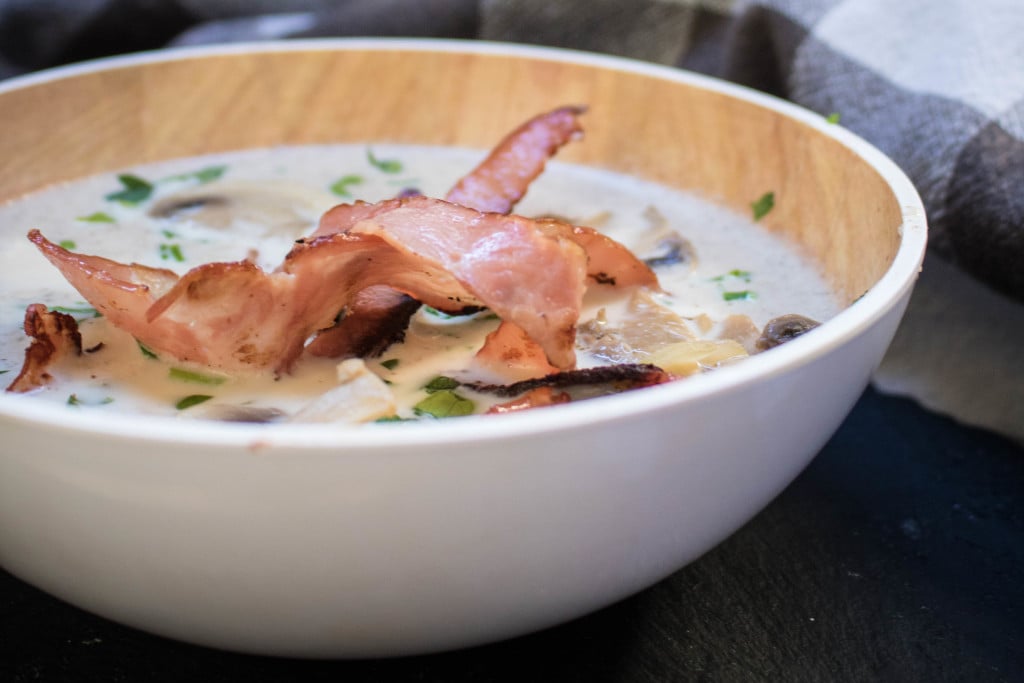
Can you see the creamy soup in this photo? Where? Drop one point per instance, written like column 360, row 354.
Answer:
column 255, row 204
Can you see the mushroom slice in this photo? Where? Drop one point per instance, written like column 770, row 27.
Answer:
column 783, row 329
column 660, row 245
column 360, row 396
column 259, row 208
column 645, row 327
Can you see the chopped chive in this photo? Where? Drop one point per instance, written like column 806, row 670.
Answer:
column 744, row 295
column 204, row 175
column 146, row 351
column 833, row 117
column 340, row 187
column 385, row 165
column 73, row 400
column 445, row 403
column 196, row 377
column 77, row 311
column 390, row 363
column 763, row 205
column 4, row 372
column 97, row 217
column 192, row 400
column 135, row 190
column 744, row 275
column 430, row 310
column 67, row 244
column 171, row 251
column 441, row 383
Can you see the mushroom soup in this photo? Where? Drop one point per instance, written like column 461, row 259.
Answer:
column 722, row 280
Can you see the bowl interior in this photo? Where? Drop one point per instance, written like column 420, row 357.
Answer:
column 673, row 130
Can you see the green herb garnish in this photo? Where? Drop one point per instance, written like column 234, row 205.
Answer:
column 385, row 165
column 67, row 244
column 736, row 273
column 390, row 363
column 73, row 400
column 97, row 217
column 340, row 186
column 739, row 296
column 169, row 234
column 203, row 175
column 763, row 205
column 395, row 418
column 171, row 251
column 136, row 190
column 195, row 377
column 146, row 351
column 444, row 403
column 430, row 310
column 77, row 311
column 192, row 400
column 441, row 383
column 833, row 117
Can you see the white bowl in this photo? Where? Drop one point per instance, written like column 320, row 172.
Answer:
column 313, row 541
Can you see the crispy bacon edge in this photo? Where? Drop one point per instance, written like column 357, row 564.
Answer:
column 54, row 335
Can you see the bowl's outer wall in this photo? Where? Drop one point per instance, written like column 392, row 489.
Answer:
column 309, row 551
column 324, row 554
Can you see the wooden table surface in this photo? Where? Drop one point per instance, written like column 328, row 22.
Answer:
column 898, row 555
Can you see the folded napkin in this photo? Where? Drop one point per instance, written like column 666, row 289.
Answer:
column 938, row 85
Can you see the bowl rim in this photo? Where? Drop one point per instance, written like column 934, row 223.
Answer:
column 855, row 319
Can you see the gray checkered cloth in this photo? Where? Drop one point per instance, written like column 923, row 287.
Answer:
column 938, row 85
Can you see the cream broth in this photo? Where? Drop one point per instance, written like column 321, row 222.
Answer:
column 277, row 196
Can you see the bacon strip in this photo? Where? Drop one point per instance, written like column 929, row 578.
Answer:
column 54, row 336
column 374, row 320
column 606, row 379
column 500, row 181
column 509, row 353
column 235, row 316
column 496, row 184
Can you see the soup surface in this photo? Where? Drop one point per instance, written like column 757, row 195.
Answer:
column 254, row 204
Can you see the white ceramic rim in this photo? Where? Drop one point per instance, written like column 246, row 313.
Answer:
column 849, row 323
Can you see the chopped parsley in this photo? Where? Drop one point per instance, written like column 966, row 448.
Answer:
column 444, row 403
column 441, row 383
column 430, row 310
column 171, row 251
column 169, row 234
column 763, row 205
column 390, row 363
column 73, row 400
column 192, row 400
column 134, row 190
column 67, row 244
column 743, row 295
column 744, row 275
column 205, row 175
column 79, row 312
column 384, row 165
column 195, row 377
column 833, row 117
column 146, row 351
column 97, row 217
column 341, row 186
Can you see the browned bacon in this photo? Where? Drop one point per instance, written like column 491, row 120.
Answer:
column 54, row 336
column 509, row 353
column 537, row 398
column 504, row 176
column 494, row 185
column 235, row 316
column 600, row 380
column 376, row 318
column 522, row 273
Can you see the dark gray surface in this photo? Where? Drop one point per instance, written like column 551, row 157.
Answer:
column 898, row 555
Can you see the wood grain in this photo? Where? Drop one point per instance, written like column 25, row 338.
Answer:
column 728, row 149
